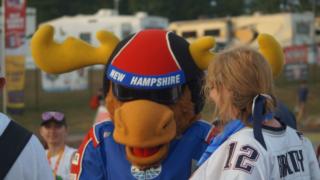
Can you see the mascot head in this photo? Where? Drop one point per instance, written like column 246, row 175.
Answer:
column 152, row 82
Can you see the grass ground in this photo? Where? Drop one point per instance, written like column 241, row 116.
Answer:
column 80, row 117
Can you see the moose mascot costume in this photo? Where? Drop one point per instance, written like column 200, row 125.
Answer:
column 152, row 84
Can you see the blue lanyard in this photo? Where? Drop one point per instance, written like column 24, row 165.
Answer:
column 230, row 128
column 234, row 126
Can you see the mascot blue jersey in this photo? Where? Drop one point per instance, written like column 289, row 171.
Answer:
column 100, row 157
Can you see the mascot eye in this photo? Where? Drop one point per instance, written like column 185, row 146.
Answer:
column 164, row 96
column 166, row 125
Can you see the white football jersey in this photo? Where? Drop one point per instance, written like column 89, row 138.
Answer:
column 289, row 156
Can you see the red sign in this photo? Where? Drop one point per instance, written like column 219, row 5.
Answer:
column 296, row 54
column 15, row 23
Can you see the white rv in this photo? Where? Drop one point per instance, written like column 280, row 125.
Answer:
column 192, row 29
column 86, row 26
column 288, row 28
column 294, row 31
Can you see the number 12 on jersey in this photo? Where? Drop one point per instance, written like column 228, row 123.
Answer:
column 244, row 159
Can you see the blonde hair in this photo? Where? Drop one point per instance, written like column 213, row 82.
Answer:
column 244, row 73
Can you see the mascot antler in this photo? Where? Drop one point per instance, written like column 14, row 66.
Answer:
column 200, row 51
column 268, row 47
column 272, row 52
column 72, row 54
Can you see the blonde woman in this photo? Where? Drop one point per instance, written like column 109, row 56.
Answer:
column 253, row 144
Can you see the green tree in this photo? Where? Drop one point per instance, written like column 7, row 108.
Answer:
column 276, row 6
column 228, row 8
column 50, row 9
column 172, row 9
column 270, row 6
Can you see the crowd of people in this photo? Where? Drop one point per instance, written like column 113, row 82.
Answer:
column 252, row 138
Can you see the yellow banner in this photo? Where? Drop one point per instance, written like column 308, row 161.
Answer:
column 15, row 78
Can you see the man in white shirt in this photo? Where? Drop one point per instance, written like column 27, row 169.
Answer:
column 28, row 163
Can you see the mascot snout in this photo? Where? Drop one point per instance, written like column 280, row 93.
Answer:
column 145, row 128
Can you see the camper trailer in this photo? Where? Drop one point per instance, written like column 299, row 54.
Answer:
column 192, row 29
column 294, row 31
column 288, row 28
column 205, row 27
column 86, row 26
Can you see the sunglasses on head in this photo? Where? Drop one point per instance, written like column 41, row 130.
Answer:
column 58, row 116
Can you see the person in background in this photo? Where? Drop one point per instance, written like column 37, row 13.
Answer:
column 101, row 115
column 97, row 100
column 318, row 154
column 303, row 92
column 254, row 144
column 54, row 130
column 21, row 153
column 100, row 95
column 283, row 114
